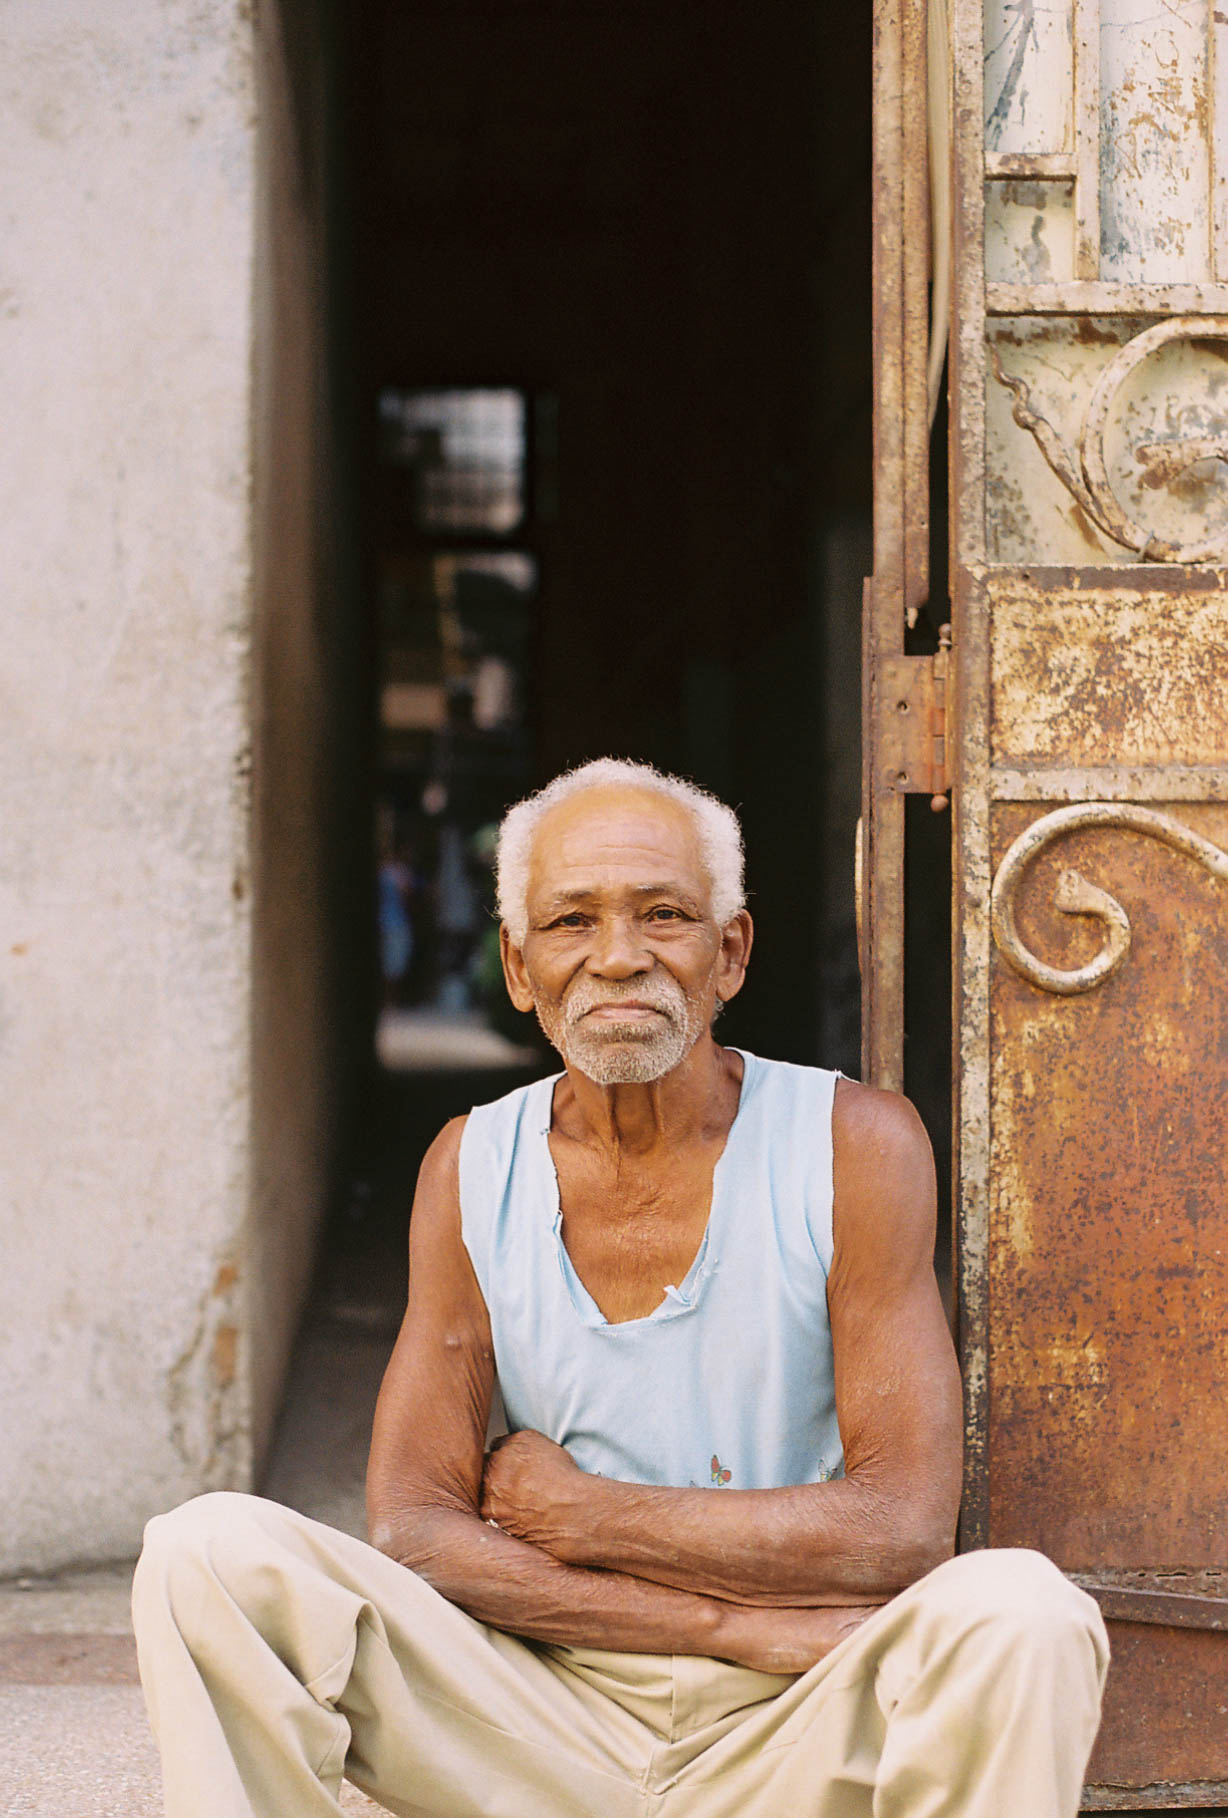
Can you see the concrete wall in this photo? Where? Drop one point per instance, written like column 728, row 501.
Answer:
column 137, row 1231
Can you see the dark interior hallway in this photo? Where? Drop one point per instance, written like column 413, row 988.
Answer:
column 656, row 234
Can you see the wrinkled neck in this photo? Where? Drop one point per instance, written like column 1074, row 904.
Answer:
column 694, row 1100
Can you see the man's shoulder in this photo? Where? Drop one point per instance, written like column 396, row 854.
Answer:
column 446, row 1147
column 789, row 1093
column 504, row 1115
column 439, row 1164
column 861, row 1116
column 872, row 1115
column 884, row 1172
column 796, row 1074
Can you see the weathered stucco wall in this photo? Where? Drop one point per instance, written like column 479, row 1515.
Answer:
column 140, row 1244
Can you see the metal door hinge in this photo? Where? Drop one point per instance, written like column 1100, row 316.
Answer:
column 913, row 744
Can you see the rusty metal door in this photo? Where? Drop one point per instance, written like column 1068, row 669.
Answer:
column 1084, row 729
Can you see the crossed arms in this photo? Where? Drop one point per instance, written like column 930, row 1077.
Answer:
column 770, row 1578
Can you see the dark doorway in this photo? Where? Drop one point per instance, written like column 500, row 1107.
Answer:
column 649, row 225
column 656, row 234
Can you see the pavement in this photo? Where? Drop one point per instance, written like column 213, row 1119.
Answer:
column 428, row 1040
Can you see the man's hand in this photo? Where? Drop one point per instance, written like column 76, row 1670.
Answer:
column 532, row 1488
column 785, row 1641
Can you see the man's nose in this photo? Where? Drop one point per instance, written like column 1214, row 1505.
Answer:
column 618, row 950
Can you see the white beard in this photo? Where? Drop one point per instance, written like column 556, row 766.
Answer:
column 624, row 1054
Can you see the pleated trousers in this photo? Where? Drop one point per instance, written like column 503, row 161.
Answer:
column 278, row 1655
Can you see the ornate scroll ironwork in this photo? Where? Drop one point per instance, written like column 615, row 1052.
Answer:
column 1074, row 895
column 1164, row 461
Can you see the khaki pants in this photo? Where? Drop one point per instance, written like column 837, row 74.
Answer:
column 277, row 1654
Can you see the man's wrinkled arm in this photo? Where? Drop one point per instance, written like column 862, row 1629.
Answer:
column 858, row 1539
column 425, row 1471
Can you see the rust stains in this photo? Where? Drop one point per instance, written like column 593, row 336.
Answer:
column 1135, row 675
column 225, row 1354
column 1163, row 1725
column 1108, row 1268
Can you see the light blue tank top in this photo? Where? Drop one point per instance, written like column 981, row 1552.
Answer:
column 729, row 1381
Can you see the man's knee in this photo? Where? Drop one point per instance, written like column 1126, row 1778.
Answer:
column 1021, row 1598
column 196, row 1526
column 198, row 1550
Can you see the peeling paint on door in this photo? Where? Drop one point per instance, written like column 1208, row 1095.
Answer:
column 1085, row 724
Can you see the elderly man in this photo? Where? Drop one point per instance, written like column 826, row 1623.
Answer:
column 709, row 1572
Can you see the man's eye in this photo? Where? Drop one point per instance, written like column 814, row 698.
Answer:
column 574, row 920
column 663, row 913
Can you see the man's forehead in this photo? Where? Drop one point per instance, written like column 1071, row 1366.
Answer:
column 551, row 895
column 616, row 830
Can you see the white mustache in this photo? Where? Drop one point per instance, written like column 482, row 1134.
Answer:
column 669, row 998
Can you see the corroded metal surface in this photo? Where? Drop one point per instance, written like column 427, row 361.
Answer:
column 1074, row 895
column 1095, row 423
column 1088, row 668
column 1164, row 462
column 1155, row 139
column 1030, row 231
column 911, row 742
column 1108, row 1271
column 970, row 798
column 1029, row 76
column 1091, row 707
column 1168, row 1609
column 901, row 506
column 1111, row 782
column 1090, row 298
column 1164, row 1718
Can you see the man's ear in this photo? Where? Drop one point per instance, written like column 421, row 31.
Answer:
column 514, row 972
column 737, row 939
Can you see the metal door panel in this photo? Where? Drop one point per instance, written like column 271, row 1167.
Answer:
column 1088, row 669
column 1164, row 1737
column 1090, row 501
column 1084, row 722
column 1108, row 1219
column 1130, row 399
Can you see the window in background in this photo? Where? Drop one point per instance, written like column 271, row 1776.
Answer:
column 467, row 452
column 457, row 616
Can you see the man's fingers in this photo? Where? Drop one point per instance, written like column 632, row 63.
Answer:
column 486, row 1503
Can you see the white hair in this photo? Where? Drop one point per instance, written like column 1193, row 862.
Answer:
column 720, row 835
